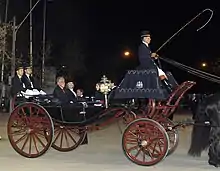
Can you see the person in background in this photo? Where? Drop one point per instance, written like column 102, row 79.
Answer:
column 80, row 95
column 79, row 92
column 98, row 94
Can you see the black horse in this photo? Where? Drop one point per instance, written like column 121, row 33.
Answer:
column 206, row 130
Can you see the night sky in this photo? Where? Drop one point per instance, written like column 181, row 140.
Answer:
column 107, row 28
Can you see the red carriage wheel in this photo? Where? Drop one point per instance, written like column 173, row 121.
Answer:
column 145, row 142
column 67, row 138
column 172, row 133
column 30, row 130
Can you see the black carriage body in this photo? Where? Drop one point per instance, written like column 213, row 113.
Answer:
column 79, row 113
column 74, row 114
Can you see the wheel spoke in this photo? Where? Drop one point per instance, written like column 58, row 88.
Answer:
column 40, row 141
column 20, row 139
column 35, row 143
column 133, row 148
column 67, row 142
column 67, row 131
column 30, row 145
column 28, row 136
column 61, row 139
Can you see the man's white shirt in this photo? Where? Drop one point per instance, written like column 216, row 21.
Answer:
column 32, row 86
column 73, row 92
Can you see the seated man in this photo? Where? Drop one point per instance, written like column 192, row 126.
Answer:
column 146, row 59
column 17, row 84
column 60, row 92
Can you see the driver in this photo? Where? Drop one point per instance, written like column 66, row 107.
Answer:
column 147, row 59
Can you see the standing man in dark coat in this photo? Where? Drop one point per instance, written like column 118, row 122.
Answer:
column 147, row 59
column 17, row 83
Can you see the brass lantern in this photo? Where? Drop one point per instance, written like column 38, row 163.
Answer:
column 105, row 86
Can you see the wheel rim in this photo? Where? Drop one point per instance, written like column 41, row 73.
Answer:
column 30, row 130
column 172, row 133
column 67, row 138
column 174, row 140
column 145, row 142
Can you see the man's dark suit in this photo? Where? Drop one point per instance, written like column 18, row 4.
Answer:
column 62, row 95
column 145, row 59
column 17, row 86
column 71, row 95
column 27, row 81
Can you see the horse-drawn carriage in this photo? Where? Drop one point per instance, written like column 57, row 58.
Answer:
column 39, row 122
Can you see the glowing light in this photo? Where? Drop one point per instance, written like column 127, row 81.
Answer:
column 204, row 64
column 126, row 53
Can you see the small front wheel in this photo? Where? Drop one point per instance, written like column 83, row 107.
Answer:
column 145, row 142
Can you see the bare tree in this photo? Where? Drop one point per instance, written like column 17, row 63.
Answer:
column 5, row 48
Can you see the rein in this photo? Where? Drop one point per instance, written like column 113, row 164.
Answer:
column 196, row 72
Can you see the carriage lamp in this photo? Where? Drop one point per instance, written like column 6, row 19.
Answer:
column 105, row 86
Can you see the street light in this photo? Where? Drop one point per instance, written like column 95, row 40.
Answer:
column 204, row 64
column 127, row 53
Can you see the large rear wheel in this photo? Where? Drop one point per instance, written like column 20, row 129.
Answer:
column 30, row 130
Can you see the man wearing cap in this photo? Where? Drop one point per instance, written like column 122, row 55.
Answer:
column 146, row 58
column 29, row 81
column 17, row 83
